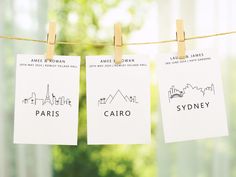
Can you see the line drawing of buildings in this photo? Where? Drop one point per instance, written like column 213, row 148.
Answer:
column 50, row 99
column 175, row 93
column 110, row 99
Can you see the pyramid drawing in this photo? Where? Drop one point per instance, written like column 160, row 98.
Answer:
column 118, row 97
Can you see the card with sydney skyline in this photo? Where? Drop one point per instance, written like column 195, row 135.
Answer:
column 191, row 96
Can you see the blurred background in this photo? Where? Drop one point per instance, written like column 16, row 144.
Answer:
column 142, row 21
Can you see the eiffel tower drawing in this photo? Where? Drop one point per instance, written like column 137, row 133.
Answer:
column 47, row 99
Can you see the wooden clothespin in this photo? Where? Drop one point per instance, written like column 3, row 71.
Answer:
column 180, row 37
column 51, row 40
column 118, row 43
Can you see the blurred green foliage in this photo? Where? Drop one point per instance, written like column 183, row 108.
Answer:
column 80, row 20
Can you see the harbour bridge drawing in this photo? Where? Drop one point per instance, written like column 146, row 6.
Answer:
column 176, row 93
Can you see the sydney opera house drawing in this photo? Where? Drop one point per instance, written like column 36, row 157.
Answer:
column 176, row 93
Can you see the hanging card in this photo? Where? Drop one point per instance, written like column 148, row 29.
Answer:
column 118, row 100
column 191, row 94
column 46, row 100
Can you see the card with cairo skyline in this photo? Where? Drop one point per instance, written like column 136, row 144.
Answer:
column 118, row 111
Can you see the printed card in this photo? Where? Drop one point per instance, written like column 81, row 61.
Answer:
column 192, row 101
column 46, row 100
column 118, row 100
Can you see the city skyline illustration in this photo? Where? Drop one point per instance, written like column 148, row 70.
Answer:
column 176, row 93
column 118, row 95
column 50, row 99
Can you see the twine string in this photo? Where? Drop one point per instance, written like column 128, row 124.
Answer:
column 111, row 44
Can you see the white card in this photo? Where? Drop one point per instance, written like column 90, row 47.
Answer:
column 192, row 101
column 118, row 100
column 46, row 100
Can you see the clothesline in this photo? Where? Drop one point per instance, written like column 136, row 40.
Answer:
column 111, row 44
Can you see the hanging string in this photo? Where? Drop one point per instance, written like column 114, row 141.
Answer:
column 111, row 44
